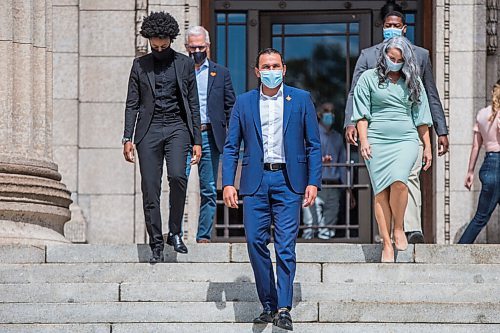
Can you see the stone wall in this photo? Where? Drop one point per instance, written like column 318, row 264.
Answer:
column 94, row 46
column 461, row 67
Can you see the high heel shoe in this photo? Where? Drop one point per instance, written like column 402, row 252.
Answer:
column 389, row 255
column 401, row 243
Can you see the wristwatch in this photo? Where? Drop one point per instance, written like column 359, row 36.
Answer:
column 125, row 140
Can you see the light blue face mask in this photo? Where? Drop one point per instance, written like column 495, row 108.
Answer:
column 271, row 78
column 393, row 66
column 327, row 119
column 392, row 32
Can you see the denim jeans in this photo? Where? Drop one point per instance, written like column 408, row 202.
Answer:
column 207, row 170
column 489, row 174
column 327, row 206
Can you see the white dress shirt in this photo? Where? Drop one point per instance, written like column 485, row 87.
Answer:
column 271, row 120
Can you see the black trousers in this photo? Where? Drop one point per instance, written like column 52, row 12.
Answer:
column 167, row 138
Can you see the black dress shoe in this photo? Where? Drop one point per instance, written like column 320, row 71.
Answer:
column 156, row 256
column 265, row 317
column 283, row 320
column 415, row 237
column 177, row 243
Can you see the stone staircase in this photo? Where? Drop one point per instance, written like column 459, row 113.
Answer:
column 339, row 288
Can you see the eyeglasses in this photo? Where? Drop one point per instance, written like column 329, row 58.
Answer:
column 194, row 48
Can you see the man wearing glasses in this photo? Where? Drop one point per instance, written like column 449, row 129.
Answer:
column 216, row 96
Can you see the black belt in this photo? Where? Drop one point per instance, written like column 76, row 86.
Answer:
column 274, row 166
column 206, row 127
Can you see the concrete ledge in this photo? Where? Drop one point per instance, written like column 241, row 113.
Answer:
column 418, row 273
column 54, row 328
column 309, row 292
column 59, row 292
column 138, row 272
column 458, row 254
column 80, row 253
column 22, row 254
column 187, row 312
column 304, row 328
column 459, row 313
column 329, row 253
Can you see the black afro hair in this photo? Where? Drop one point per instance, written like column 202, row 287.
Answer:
column 161, row 25
column 390, row 6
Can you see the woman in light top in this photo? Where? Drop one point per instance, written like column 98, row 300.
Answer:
column 486, row 133
column 391, row 112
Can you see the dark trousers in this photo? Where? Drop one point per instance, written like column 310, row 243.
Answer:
column 167, row 138
column 489, row 199
column 274, row 202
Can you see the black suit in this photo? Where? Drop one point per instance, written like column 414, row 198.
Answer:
column 160, row 135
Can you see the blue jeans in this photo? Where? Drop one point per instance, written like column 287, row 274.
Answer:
column 489, row 174
column 207, row 170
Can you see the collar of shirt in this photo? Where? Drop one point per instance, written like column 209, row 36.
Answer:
column 278, row 94
column 203, row 66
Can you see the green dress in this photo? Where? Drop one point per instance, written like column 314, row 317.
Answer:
column 392, row 127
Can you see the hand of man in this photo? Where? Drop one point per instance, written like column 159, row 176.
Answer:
column 351, row 135
column 230, row 197
column 310, row 195
column 469, row 180
column 195, row 159
column 128, row 152
column 327, row 158
column 443, row 145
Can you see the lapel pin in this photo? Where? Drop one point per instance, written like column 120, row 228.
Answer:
column 213, row 73
column 288, row 98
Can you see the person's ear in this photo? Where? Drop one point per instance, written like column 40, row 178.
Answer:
column 284, row 70
column 404, row 29
column 257, row 72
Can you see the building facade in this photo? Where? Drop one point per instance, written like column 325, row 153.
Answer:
column 94, row 43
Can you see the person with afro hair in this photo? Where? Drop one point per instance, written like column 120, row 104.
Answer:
column 162, row 122
column 394, row 25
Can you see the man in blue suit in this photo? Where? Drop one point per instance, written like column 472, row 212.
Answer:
column 216, row 95
column 281, row 163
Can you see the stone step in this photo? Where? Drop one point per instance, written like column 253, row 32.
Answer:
column 140, row 272
column 237, row 252
column 242, row 272
column 142, row 312
column 244, row 312
column 243, row 292
column 246, row 327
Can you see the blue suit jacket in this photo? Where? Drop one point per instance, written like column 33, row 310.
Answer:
column 220, row 100
column 300, row 138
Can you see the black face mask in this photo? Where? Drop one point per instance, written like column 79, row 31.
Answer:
column 162, row 55
column 199, row 57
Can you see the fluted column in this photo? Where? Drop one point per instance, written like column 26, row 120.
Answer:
column 33, row 202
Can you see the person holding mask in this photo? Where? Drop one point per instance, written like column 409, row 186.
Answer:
column 281, row 164
column 216, row 96
column 391, row 112
column 394, row 25
column 327, row 203
column 162, row 118
column 487, row 134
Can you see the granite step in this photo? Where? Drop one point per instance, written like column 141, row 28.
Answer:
column 247, row 327
column 244, row 312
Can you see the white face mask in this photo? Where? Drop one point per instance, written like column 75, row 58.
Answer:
column 393, row 66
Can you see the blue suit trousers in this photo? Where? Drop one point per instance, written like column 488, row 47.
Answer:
column 274, row 202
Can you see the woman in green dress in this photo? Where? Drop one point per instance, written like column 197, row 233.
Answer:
column 391, row 112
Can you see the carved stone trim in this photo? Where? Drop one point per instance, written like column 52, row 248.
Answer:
column 446, row 106
column 141, row 43
column 491, row 26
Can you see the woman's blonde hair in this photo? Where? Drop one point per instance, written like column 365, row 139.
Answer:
column 495, row 101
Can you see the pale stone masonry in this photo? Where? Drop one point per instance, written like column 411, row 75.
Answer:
column 94, row 45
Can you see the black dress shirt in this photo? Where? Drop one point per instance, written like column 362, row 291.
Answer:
column 166, row 90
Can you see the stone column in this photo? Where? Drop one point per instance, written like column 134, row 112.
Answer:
column 33, row 202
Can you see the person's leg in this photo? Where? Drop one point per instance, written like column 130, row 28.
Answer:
column 176, row 149
column 257, row 222
column 285, row 205
column 488, row 199
column 331, row 206
column 208, row 169
column 383, row 216
column 307, row 220
column 150, row 154
column 398, row 200
column 413, row 213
